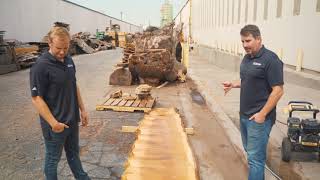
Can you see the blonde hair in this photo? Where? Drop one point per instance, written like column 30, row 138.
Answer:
column 58, row 32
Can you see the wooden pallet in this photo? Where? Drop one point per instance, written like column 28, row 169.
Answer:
column 121, row 104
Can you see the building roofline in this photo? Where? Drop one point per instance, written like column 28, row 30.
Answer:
column 73, row 3
column 181, row 10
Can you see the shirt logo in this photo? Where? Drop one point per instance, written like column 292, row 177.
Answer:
column 70, row 65
column 34, row 89
column 256, row 64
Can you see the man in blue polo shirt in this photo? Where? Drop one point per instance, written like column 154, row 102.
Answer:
column 57, row 98
column 261, row 87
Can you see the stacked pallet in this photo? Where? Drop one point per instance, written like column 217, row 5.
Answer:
column 127, row 104
column 118, row 101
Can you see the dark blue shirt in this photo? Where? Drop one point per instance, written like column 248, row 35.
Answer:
column 55, row 82
column 258, row 75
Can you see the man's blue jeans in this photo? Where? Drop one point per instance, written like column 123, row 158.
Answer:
column 255, row 138
column 54, row 143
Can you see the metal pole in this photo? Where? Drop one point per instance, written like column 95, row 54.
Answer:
column 190, row 21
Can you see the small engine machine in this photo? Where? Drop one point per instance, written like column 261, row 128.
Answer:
column 303, row 134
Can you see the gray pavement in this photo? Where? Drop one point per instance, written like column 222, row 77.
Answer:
column 103, row 148
column 208, row 75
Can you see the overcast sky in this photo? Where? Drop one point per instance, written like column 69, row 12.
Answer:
column 139, row 12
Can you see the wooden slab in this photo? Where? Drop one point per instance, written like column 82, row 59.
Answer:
column 143, row 103
column 136, row 103
column 150, row 103
column 129, row 103
column 161, row 150
column 123, row 102
column 109, row 101
column 116, row 102
column 129, row 129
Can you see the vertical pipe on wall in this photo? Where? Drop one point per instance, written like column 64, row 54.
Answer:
column 280, row 53
column 190, row 21
column 299, row 59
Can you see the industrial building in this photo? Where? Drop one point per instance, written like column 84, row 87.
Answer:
column 166, row 13
column 289, row 28
column 30, row 20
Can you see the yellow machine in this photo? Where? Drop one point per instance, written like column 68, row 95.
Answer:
column 118, row 37
column 122, row 39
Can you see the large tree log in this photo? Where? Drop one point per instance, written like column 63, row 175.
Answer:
column 151, row 56
column 121, row 76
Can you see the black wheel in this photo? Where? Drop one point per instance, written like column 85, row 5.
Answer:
column 286, row 149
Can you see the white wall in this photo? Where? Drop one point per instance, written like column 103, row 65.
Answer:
column 31, row 20
column 212, row 26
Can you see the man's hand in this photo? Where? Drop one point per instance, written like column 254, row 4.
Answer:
column 59, row 127
column 84, row 118
column 258, row 118
column 227, row 86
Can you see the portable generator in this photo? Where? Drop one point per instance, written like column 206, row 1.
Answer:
column 303, row 134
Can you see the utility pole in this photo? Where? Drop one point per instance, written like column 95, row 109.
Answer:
column 121, row 15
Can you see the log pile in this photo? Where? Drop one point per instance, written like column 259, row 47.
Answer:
column 143, row 91
column 152, row 66
column 151, row 58
column 82, row 42
column 26, row 54
column 127, row 54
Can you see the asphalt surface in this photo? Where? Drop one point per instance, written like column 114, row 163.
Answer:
column 104, row 149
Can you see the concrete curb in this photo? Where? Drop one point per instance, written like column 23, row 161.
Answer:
column 230, row 128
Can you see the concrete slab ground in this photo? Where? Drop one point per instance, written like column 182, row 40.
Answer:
column 209, row 68
column 104, row 149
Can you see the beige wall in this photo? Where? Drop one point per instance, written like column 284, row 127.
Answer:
column 30, row 20
column 212, row 25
